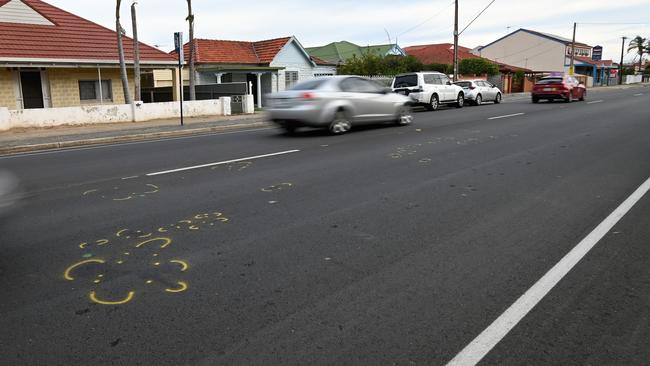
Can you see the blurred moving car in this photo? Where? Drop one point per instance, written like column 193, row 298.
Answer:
column 337, row 103
column 10, row 192
column 430, row 89
column 563, row 87
column 479, row 91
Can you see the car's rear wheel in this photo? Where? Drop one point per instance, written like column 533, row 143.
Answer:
column 340, row 124
column 497, row 100
column 289, row 129
column 434, row 103
column 405, row 115
column 583, row 96
column 460, row 100
column 479, row 100
column 535, row 100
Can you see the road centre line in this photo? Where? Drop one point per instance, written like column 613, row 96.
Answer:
column 638, row 94
column 495, row 332
column 507, row 116
column 222, row 163
column 595, row 101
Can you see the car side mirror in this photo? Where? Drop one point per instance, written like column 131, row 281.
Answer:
column 449, row 83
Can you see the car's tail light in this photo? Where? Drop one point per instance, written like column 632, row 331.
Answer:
column 308, row 96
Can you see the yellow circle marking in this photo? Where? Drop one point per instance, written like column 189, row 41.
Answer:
column 182, row 287
column 145, row 236
column 83, row 245
column 67, row 274
column 129, row 297
column 165, row 242
column 162, row 230
column 119, row 233
column 184, row 265
column 149, row 282
column 123, row 199
column 101, row 242
column 193, row 227
column 155, row 189
column 89, row 192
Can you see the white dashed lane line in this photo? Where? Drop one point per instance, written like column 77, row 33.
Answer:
column 595, row 102
column 507, row 116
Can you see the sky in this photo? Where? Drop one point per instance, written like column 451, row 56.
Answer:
column 364, row 22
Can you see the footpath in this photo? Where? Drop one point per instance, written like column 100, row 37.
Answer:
column 23, row 140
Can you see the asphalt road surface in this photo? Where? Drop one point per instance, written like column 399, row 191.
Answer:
column 385, row 246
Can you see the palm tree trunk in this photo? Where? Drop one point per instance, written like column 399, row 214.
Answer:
column 190, row 19
column 136, row 54
column 120, row 50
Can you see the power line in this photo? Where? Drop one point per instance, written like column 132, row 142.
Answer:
column 476, row 17
column 427, row 20
column 614, row 23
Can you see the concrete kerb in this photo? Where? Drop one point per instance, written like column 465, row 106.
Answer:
column 128, row 138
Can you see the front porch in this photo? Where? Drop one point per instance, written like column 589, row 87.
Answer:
column 260, row 80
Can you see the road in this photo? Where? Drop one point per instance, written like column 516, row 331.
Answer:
column 385, row 246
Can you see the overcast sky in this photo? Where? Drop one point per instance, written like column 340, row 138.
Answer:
column 365, row 22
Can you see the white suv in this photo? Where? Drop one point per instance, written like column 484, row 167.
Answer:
column 429, row 89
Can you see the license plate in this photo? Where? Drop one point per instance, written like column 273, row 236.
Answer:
column 548, row 89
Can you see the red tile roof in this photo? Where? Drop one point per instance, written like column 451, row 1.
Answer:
column 210, row 51
column 321, row 62
column 442, row 53
column 71, row 38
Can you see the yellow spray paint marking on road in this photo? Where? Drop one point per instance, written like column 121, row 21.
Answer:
column 102, row 242
column 184, row 265
column 94, row 298
column 165, row 242
column 67, row 274
column 277, row 187
column 155, row 189
column 182, row 287
column 83, row 245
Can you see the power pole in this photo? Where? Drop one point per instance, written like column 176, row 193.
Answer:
column 456, row 42
column 136, row 53
column 573, row 51
column 620, row 66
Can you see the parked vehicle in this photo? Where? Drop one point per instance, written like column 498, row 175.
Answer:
column 566, row 88
column 430, row 89
column 337, row 103
column 479, row 91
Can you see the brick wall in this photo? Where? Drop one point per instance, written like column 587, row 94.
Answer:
column 7, row 96
column 64, row 85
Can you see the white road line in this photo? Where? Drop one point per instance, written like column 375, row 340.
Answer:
column 129, row 178
column 507, row 116
column 222, row 163
column 638, row 94
column 493, row 334
column 595, row 101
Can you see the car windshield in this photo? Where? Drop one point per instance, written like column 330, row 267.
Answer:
column 464, row 84
column 550, row 81
column 309, row 84
column 406, row 81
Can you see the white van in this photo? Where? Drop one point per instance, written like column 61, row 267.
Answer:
column 430, row 89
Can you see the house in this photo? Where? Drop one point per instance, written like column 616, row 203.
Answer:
column 443, row 54
column 52, row 58
column 540, row 52
column 339, row 52
column 269, row 65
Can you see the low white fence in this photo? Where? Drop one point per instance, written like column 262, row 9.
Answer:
column 633, row 79
column 98, row 114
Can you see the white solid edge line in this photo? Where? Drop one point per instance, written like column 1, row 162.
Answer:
column 638, row 95
column 222, row 162
column 508, row 115
column 595, row 101
column 493, row 334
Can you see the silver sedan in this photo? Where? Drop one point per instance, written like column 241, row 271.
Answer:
column 337, row 103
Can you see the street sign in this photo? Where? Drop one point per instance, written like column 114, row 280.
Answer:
column 597, row 53
column 178, row 45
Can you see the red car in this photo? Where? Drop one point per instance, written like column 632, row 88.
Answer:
column 566, row 88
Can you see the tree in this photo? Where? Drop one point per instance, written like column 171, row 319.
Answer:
column 120, row 51
column 638, row 43
column 190, row 20
column 373, row 64
column 478, row 66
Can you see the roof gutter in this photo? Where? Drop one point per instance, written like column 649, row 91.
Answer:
column 53, row 62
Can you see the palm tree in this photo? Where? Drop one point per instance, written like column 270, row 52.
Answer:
column 120, row 50
column 638, row 44
column 190, row 19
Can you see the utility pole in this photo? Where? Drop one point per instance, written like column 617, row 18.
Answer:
column 620, row 66
column 136, row 53
column 456, row 41
column 573, row 51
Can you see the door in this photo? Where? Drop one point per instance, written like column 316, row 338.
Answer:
column 489, row 92
column 367, row 99
column 32, row 89
column 449, row 91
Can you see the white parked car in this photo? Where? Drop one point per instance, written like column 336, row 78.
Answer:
column 479, row 91
column 430, row 89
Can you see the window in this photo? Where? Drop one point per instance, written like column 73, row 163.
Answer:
column 464, row 84
column 290, row 78
column 429, row 79
column 89, row 90
column 358, row 85
column 309, row 84
column 444, row 79
column 405, row 81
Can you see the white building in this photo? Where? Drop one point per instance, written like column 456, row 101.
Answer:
column 540, row 52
